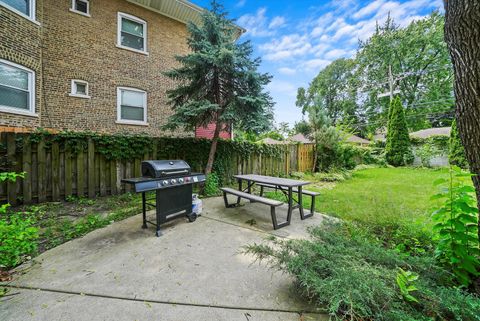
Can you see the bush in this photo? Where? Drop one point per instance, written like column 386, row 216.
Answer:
column 398, row 151
column 211, row 185
column 342, row 270
column 17, row 239
column 456, row 154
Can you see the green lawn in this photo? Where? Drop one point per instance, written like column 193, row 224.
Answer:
column 393, row 203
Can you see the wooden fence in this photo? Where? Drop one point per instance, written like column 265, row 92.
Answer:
column 53, row 172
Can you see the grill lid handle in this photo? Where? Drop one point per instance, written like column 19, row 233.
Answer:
column 184, row 171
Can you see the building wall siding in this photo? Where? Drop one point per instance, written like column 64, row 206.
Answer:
column 20, row 42
column 79, row 47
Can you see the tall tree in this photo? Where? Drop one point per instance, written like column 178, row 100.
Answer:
column 334, row 88
column 397, row 150
column 218, row 81
column 462, row 34
column 456, row 152
column 421, row 70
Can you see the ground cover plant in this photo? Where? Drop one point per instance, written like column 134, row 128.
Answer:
column 354, row 278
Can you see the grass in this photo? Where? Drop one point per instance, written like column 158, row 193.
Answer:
column 393, row 203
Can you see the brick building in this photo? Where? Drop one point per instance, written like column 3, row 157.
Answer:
column 90, row 64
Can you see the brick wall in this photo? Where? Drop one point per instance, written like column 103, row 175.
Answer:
column 80, row 47
column 20, row 43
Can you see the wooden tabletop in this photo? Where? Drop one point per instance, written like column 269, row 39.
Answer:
column 277, row 181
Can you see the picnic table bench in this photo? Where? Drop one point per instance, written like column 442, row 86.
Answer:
column 287, row 186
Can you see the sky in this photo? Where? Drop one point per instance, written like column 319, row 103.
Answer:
column 297, row 39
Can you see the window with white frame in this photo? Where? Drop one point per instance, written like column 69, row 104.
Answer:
column 131, row 106
column 81, row 6
column 17, row 88
column 25, row 8
column 79, row 88
column 132, row 33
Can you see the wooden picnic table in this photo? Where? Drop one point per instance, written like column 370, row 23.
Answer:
column 285, row 185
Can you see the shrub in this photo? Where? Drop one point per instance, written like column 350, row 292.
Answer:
column 456, row 227
column 456, row 154
column 211, row 185
column 398, row 151
column 17, row 233
column 354, row 279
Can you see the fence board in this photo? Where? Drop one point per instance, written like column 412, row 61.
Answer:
column 68, row 172
column 41, row 162
column 103, row 176
column 80, row 174
column 55, row 171
column 91, row 169
column 11, row 162
column 27, row 168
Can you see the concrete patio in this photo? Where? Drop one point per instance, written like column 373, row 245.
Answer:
column 194, row 271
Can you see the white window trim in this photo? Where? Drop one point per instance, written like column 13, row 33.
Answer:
column 31, row 90
column 32, row 10
column 119, row 107
column 73, row 88
column 72, row 9
column 121, row 15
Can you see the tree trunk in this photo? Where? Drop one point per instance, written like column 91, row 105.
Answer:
column 213, row 147
column 462, row 34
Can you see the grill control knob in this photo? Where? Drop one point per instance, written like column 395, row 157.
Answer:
column 165, row 183
column 173, row 181
column 180, row 180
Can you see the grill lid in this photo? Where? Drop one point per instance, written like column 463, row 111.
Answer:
column 165, row 168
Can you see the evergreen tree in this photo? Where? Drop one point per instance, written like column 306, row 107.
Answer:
column 398, row 151
column 456, row 155
column 218, row 81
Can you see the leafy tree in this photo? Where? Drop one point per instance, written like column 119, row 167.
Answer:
column 456, row 154
column 462, row 24
column 420, row 65
column 302, row 127
column 334, row 86
column 398, row 151
column 283, row 129
column 218, row 81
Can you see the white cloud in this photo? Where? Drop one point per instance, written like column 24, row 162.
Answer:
column 283, row 87
column 368, row 9
column 287, row 71
column 286, row 47
column 335, row 53
column 241, row 3
column 258, row 25
column 276, row 22
column 315, row 64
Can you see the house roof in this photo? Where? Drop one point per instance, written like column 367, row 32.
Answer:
column 299, row 138
column 357, row 140
column 425, row 133
column 180, row 10
column 271, row 141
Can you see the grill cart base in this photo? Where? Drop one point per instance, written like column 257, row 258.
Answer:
column 172, row 182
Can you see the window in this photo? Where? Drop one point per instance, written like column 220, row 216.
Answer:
column 81, row 6
column 131, row 106
column 25, row 8
column 79, row 89
column 17, row 88
column 132, row 33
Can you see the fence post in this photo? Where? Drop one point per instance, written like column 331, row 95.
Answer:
column 41, row 159
column 80, row 174
column 68, row 172
column 11, row 186
column 27, row 168
column 55, row 171
column 91, row 168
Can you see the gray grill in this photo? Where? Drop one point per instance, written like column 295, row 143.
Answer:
column 172, row 181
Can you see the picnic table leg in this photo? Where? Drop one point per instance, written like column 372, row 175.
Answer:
column 300, row 205
column 240, row 189
column 290, row 205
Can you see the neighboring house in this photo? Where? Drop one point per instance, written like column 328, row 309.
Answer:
column 353, row 139
column 89, row 64
column 426, row 133
column 271, row 141
column 440, row 157
column 300, row 138
column 207, row 132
